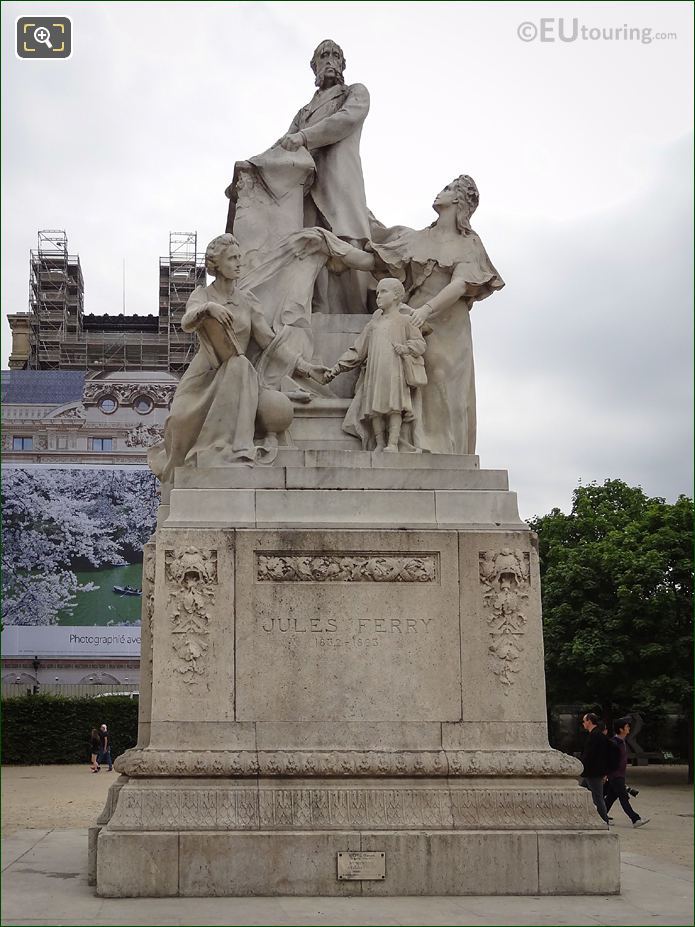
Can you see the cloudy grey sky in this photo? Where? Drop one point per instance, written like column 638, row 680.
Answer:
column 582, row 151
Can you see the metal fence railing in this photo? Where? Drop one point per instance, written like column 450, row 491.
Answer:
column 69, row 690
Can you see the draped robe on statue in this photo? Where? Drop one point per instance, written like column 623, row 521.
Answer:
column 445, row 423
column 213, row 414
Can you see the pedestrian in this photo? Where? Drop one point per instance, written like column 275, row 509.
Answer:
column 95, row 748
column 105, row 744
column 595, row 759
column 615, row 786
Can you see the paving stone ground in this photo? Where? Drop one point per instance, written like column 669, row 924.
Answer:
column 46, row 810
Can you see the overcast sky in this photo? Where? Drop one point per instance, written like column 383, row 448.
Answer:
column 582, row 152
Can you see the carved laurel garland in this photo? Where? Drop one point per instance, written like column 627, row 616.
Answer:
column 505, row 580
column 345, row 568
column 191, row 576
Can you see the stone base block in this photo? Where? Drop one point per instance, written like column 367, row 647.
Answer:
column 204, row 864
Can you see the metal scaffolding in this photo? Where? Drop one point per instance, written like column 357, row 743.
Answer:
column 179, row 274
column 62, row 337
column 56, row 298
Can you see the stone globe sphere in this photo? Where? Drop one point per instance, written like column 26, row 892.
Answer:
column 274, row 411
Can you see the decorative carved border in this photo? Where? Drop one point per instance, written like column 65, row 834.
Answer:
column 229, row 808
column 191, row 577
column 505, row 578
column 348, row 764
column 347, row 567
column 161, row 394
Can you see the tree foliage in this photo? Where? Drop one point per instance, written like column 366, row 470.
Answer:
column 53, row 519
column 617, row 591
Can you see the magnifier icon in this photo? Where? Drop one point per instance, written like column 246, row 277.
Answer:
column 43, row 36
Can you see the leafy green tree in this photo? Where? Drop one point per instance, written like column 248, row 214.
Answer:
column 617, row 599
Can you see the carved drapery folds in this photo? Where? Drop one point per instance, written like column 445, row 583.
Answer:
column 346, row 568
column 191, row 576
column 505, row 581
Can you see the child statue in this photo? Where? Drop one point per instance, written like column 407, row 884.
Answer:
column 390, row 348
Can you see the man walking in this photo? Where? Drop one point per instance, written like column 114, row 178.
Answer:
column 595, row 760
column 615, row 787
column 105, row 746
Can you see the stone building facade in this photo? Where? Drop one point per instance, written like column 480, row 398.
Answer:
column 65, row 418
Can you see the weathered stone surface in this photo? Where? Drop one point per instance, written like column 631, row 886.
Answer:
column 501, row 638
column 434, row 747
column 199, row 507
column 420, row 862
column 92, row 837
column 479, row 510
column 380, row 736
column 343, row 508
column 137, row 865
column 455, row 864
column 343, row 473
column 393, row 645
column 340, row 763
column 577, row 864
column 466, row 509
column 391, row 478
column 264, row 864
column 378, row 803
column 193, row 630
column 305, row 863
column 494, row 735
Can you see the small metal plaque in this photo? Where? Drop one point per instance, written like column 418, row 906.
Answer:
column 355, row 864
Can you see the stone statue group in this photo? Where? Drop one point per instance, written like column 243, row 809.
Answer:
column 299, row 241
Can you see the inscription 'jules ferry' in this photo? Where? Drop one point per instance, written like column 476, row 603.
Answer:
column 361, row 625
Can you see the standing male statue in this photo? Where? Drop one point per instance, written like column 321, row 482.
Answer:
column 330, row 126
column 311, row 177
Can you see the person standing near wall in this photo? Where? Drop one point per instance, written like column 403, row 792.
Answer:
column 95, row 749
column 105, row 746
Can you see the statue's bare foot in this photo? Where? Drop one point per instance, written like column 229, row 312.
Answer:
column 390, row 449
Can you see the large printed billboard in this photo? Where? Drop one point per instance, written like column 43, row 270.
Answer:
column 72, row 559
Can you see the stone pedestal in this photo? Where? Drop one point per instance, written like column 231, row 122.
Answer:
column 343, row 652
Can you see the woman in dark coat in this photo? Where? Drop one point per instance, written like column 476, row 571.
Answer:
column 95, row 747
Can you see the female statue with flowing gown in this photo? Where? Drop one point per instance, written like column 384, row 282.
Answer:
column 444, row 269
column 221, row 399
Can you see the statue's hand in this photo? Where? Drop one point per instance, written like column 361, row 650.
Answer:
column 292, row 142
column 317, row 372
column 330, row 374
column 307, row 242
column 401, row 349
column 419, row 316
column 221, row 314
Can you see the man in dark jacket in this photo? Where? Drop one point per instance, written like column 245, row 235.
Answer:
column 615, row 787
column 105, row 744
column 596, row 761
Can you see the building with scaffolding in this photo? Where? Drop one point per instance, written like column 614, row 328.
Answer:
column 56, row 334
column 88, row 393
